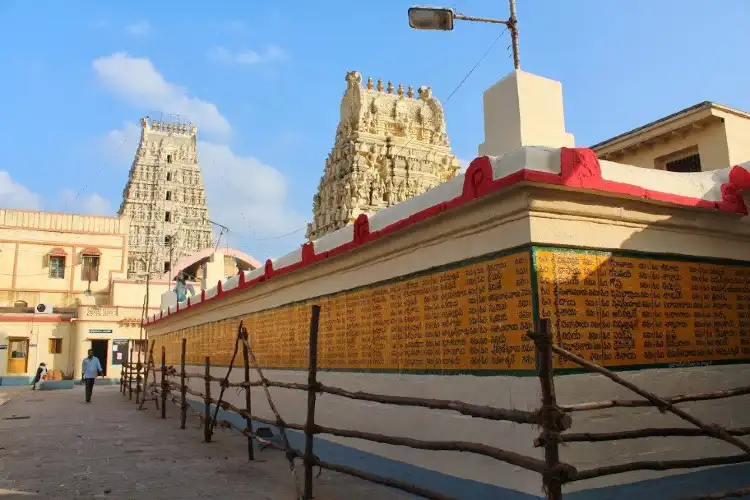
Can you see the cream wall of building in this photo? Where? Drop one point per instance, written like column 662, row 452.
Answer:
column 718, row 134
column 511, row 218
column 738, row 138
column 131, row 294
column 27, row 238
column 94, row 323
column 38, row 332
column 116, row 304
column 710, row 142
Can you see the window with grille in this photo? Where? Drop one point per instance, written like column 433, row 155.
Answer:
column 55, row 346
column 90, row 268
column 169, row 195
column 169, row 176
column 57, row 267
column 140, row 345
column 167, row 216
column 687, row 164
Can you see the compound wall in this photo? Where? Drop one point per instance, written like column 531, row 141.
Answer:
column 659, row 291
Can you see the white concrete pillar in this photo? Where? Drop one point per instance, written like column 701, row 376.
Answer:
column 523, row 109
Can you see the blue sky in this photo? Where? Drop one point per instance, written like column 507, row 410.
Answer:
column 264, row 80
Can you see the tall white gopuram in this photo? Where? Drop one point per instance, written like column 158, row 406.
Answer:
column 165, row 199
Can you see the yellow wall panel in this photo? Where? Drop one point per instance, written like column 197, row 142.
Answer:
column 467, row 318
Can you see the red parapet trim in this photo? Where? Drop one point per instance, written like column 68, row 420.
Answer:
column 241, row 280
column 740, row 177
column 308, row 253
column 731, row 192
column 361, row 230
column 477, row 179
column 579, row 169
column 35, row 318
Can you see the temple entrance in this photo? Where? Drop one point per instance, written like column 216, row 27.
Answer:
column 18, row 356
column 100, row 348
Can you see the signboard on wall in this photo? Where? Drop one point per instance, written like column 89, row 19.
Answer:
column 99, row 331
column 120, row 351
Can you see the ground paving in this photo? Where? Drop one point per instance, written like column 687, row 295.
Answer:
column 54, row 445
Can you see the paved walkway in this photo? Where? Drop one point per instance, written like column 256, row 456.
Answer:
column 54, row 445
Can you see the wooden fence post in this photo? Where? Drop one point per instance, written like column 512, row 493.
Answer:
column 248, row 400
column 141, row 397
column 130, row 373
column 183, row 387
column 138, row 379
column 312, row 386
column 545, row 370
column 163, row 382
column 207, row 417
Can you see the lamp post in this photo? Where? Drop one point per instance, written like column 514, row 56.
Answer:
column 442, row 19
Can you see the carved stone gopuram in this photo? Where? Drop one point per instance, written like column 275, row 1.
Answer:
column 165, row 199
column 390, row 146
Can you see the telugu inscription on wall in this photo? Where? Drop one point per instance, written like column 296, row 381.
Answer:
column 624, row 311
column 613, row 310
column 468, row 318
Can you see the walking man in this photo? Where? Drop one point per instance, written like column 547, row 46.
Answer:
column 89, row 371
column 41, row 374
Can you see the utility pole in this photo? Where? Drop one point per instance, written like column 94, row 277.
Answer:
column 513, row 28
column 144, row 312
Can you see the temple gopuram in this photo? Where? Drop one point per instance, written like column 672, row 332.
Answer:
column 391, row 145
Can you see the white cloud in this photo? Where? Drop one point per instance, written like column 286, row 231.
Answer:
column 18, row 196
column 15, row 195
column 141, row 28
column 119, row 145
column 92, row 204
column 243, row 193
column 247, row 196
column 137, row 80
column 272, row 53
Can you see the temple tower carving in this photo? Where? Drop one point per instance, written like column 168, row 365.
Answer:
column 165, row 199
column 390, row 146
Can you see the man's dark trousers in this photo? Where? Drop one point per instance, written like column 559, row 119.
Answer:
column 89, row 388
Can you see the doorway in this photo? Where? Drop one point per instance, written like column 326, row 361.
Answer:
column 18, row 356
column 101, row 351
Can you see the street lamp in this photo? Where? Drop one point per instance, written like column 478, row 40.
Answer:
column 442, row 19
column 431, row 18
